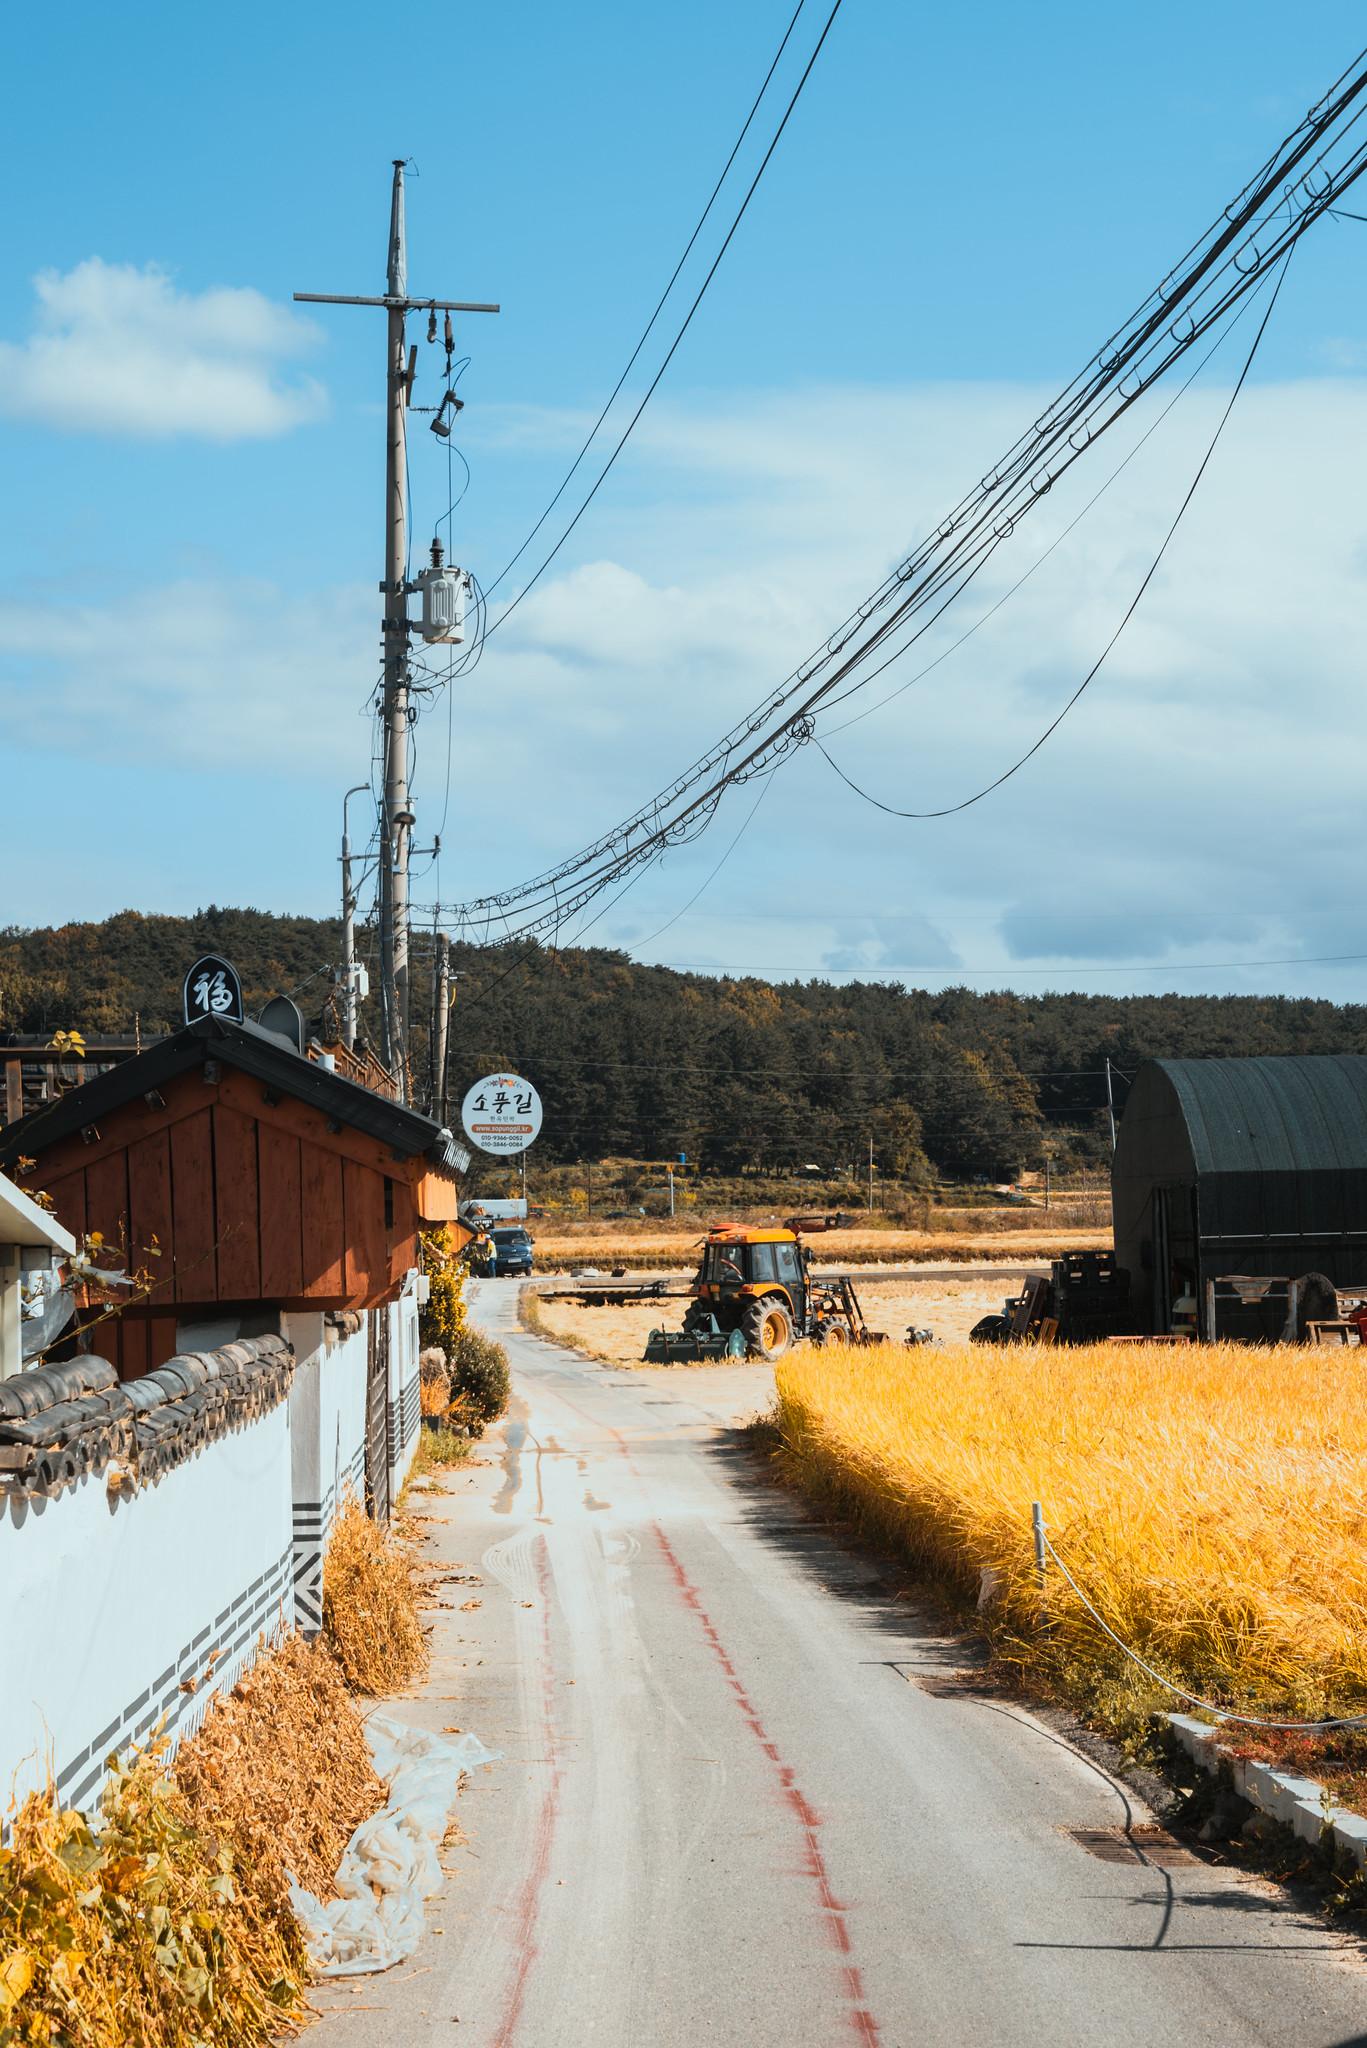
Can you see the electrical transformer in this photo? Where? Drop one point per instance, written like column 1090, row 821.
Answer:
column 443, row 591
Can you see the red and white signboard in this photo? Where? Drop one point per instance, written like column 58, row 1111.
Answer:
column 501, row 1114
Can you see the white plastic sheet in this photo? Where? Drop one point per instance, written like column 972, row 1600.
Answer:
column 390, row 1865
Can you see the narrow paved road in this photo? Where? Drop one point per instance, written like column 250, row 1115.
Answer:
column 733, row 1807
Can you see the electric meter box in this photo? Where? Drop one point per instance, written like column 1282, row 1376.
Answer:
column 443, row 604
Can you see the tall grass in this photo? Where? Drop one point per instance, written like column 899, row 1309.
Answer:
column 1212, row 1502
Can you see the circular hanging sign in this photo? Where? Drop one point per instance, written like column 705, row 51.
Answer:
column 501, row 1113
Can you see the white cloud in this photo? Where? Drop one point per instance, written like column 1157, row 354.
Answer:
column 120, row 350
column 204, row 674
column 1194, row 808
column 1189, row 810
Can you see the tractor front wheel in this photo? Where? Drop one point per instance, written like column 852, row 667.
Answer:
column 768, row 1329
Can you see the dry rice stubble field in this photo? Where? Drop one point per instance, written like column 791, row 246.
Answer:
column 1025, row 1236
column 617, row 1335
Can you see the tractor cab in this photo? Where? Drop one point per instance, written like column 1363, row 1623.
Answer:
column 757, row 1283
column 754, row 1281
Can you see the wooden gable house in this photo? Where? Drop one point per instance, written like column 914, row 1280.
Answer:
column 240, row 1175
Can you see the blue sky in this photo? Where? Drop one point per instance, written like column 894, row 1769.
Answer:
column 965, row 203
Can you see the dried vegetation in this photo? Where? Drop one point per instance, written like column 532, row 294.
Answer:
column 617, row 1334
column 164, row 1920
column 137, row 1930
column 370, row 1606
column 281, row 1769
column 954, row 1237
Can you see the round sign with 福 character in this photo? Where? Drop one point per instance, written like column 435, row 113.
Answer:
column 501, row 1114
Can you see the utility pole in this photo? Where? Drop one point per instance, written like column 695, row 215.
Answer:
column 349, row 989
column 439, row 1027
column 396, row 827
column 870, row 1173
column 1110, row 1100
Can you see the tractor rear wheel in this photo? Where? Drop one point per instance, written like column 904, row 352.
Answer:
column 768, row 1328
column 697, row 1316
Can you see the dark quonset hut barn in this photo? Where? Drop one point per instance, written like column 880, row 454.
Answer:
column 1252, row 1166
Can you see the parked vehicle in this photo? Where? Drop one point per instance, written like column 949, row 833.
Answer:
column 512, row 1252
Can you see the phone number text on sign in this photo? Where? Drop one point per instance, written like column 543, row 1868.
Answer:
column 501, row 1113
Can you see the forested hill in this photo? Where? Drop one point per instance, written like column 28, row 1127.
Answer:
column 646, row 1063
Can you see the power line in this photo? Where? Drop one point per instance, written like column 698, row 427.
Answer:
column 1308, row 171
column 705, row 885
column 659, row 307
column 537, row 574
column 1038, row 562
column 950, row 810
column 751, row 973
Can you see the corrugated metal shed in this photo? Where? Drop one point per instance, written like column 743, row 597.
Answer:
column 1241, row 1166
column 1274, row 1115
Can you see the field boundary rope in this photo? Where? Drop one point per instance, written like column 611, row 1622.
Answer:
column 1044, row 1547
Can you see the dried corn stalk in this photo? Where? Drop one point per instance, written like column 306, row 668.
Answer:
column 370, row 1606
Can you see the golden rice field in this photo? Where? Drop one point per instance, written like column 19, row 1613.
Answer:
column 1212, row 1503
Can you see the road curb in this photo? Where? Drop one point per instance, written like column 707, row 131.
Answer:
column 1301, row 1804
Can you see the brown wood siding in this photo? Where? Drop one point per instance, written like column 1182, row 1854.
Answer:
column 130, row 1341
column 150, row 1244
column 403, row 1239
column 68, row 1202
column 138, row 1119
column 282, row 1254
column 106, row 1198
column 251, row 1199
column 436, row 1194
column 237, row 1205
column 324, row 1226
column 192, row 1200
column 241, row 1092
column 137, row 1341
column 367, row 1252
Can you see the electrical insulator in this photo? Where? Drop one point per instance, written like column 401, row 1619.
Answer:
column 443, row 600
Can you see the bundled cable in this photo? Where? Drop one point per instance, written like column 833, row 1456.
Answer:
column 1304, row 178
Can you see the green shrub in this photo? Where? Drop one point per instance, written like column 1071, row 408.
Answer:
column 479, row 1375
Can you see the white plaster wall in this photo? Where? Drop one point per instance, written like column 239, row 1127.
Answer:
column 405, row 1411
column 327, row 1427
column 107, row 1608
column 342, row 1420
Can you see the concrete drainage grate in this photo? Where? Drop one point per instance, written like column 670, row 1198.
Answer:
column 1146, row 1844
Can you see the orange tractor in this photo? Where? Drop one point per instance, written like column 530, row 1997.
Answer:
column 756, row 1286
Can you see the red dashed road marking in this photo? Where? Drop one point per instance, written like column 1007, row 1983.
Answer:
column 543, row 1837
column 861, row 2021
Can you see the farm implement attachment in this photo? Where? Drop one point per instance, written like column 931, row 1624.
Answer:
column 704, row 1338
